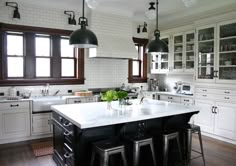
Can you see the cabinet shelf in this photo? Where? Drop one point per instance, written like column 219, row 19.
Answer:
column 206, row 41
column 225, row 38
column 204, row 53
column 189, row 60
column 177, row 52
column 178, row 44
column 226, row 66
column 204, row 66
column 190, row 42
column 190, row 51
column 227, row 52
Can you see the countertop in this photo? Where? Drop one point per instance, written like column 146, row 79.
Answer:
column 88, row 115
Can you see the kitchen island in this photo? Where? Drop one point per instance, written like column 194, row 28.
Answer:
column 77, row 126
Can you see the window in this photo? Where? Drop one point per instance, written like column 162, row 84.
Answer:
column 138, row 66
column 36, row 56
column 43, row 55
column 67, row 59
column 15, row 56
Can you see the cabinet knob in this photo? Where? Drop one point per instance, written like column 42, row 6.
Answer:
column 186, row 100
column 77, row 101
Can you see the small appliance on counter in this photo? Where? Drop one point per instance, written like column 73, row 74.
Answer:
column 153, row 84
column 183, row 88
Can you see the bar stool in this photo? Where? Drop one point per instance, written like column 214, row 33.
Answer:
column 105, row 149
column 194, row 129
column 167, row 136
column 138, row 142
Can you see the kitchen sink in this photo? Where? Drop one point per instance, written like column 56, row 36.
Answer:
column 43, row 103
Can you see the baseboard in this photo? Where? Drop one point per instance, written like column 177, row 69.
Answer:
column 6, row 141
column 219, row 138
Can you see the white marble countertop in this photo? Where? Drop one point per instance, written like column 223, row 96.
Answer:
column 88, row 115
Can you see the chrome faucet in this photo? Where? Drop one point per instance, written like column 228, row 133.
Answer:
column 45, row 90
column 141, row 95
column 56, row 92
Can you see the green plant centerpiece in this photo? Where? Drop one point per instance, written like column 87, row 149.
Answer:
column 109, row 96
column 121, row 96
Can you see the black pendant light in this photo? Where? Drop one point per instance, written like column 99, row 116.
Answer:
column 83, row 38
column 157, row 45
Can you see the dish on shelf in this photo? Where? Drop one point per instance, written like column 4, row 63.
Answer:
column 228, row 62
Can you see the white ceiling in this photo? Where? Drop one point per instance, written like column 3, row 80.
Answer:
column 169, row 10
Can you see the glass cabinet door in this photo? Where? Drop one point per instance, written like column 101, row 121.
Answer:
column 227, row 52
column 189, row 54
column 160, row 62
column 178, row 52
column 206, row 53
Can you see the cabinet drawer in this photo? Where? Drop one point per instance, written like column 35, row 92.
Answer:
column 226, row 98
column 169, row 98
column 77, row 100
column 216, row 91
column 185, row 100
column 14, row 105
column 91, row 99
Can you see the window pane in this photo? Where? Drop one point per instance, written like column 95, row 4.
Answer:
column 15, row 66
column 67, row 68
column 42, row 67
column 14, row 45
column 67, row 50
column 135, row 68
column 42, row 46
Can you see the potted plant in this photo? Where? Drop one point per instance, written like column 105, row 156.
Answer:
column 109, row 96
column 121, row 96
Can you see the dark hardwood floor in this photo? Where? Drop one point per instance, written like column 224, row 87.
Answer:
column 217, row 153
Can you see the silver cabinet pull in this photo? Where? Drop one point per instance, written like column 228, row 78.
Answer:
column 213, row 109
column 216, row 110
column 204, row 95
column 186, row 100
column 227, row 98
column 67, row 133
column 68, row 155
column 14, row 105
column 77, row 101
column 227, row 92
column 67, row 124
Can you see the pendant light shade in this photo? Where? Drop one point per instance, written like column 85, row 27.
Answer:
column 157, row 45
column 83, row 38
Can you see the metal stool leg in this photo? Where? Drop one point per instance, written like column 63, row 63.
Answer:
column 105, row 159
column 165, row 151
column 189, row 146
column 201, row 146
column 123, row 157
column 153, row 154
column 179, row 147
column 92, row 158
column 136, row 155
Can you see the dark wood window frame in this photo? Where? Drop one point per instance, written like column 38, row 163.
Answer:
column 29, row 51
column 142, row 78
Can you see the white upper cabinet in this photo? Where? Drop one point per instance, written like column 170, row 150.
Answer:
column 180, row 58
column 216, row 53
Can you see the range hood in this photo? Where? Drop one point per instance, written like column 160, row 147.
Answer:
column 114, row 34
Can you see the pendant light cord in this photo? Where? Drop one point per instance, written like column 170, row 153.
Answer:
column 157, row 14
column 83, row 10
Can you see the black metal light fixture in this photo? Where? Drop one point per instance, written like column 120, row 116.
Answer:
column 83, row 38
column 151, row 14
column 144, row 28
column 71, row 19
column 157, row 45
column 16, row 13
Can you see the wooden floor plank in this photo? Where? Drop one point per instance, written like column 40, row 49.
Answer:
column 217, row 153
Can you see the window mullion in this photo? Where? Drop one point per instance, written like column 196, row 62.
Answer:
column 4, row 56
column 1, row 55
column 30, row 58
column 56, row 57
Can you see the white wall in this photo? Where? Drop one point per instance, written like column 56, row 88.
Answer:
column 98, row 72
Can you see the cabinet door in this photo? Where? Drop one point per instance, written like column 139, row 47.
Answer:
column 205, row 118
column 178, row 56
column 41, row 124
column 15, row 123
column 189, row 53
column 206, row 54
column 226, row 62
column 225, row 121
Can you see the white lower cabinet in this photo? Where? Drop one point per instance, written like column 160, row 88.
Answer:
column 217, row 118
column 41, row 123
column 14, row 120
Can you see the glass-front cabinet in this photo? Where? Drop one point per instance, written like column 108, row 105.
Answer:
column 189, row 51
column 206, row 54
column 178, row 52
column 160, row 62
column 227, row 52
column 216, row 60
